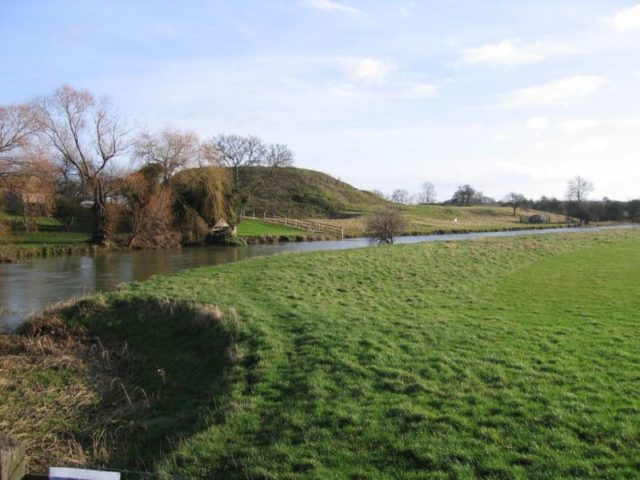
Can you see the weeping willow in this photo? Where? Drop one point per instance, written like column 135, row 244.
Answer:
column 202, row 199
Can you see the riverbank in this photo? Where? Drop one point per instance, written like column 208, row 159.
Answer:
column 10, row 252
column 51, row 239
column 31, row 286
column 443, row 358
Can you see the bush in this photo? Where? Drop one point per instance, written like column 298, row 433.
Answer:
column 386, row 224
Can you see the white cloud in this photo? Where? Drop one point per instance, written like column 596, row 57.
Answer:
column 421, row 90
column 557, row 92
column 537, row 123
column 511, row 52
column 590, row 145
column 368, row 69
column 577, row 124
column 627, row 19
column 331, row 6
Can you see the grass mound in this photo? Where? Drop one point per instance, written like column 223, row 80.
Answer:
column 309, row 193
column 503, row 358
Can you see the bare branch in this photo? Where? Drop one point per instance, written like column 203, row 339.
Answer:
column 171, row 149
column 88, row 135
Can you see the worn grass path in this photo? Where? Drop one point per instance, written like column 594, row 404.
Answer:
column 502, row 358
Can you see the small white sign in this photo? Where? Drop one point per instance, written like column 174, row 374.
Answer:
column 57, row 473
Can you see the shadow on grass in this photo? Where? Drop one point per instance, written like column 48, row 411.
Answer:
column 161, row 370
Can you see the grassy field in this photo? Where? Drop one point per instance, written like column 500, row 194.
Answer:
column 429, row 219
column 50, row 239
column 311, row 194
column 503, row 359
column 257, row 228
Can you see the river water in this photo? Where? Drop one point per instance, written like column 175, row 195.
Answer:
column 29, row 286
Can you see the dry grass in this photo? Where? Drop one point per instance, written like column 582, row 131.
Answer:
column 53, row 378
column 73, row 398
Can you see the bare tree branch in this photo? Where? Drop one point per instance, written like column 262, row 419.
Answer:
column 88, row 135
column 171, row 149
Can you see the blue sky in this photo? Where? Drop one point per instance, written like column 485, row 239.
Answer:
column 504, row 95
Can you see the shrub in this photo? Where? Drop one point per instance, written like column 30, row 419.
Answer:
column 385, row 224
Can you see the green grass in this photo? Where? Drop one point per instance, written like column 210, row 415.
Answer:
column 50, row 239
column 258, row 228
column 49, row 232
column 306, row 193
column 504, row 359
column 309, row 193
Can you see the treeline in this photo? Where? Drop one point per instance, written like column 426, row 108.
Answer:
column 575, row 205
column 59, row 157
column 590, row 210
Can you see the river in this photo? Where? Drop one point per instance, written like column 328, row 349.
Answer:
column 29, row 286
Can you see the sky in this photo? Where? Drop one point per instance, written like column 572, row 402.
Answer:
column 503, row 95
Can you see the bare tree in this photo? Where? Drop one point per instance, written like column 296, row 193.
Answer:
column 400, row 196
column 427, row 194
column 236, row 152
column 515, row 200
column 385, row 225
column 267, row 180
column 578, row 188
column 171, row 149
column 87, row 134
column 278, row 156
column 17, row 131
column 465, row 195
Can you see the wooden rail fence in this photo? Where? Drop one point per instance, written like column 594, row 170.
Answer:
column 308, row 225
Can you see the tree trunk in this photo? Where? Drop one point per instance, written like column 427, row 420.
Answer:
column 99, row 213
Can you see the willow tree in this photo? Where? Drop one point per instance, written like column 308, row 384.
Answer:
column 202, row 199
column 88, row 135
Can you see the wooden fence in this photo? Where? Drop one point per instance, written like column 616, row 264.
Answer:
column 308, row 225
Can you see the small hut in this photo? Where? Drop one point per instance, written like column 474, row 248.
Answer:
column 223, row 228
column 221, row 225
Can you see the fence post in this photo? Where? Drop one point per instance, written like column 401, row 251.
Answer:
column 13, row 464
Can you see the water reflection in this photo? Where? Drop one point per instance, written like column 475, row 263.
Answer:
column 29, row 286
